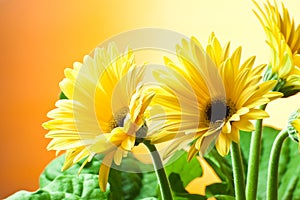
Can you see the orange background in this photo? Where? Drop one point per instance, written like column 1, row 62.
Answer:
column 40, row 38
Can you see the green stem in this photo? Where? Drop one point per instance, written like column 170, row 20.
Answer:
column 272, row 183
column 254, row 157
column 163, row 181
column 238, row 171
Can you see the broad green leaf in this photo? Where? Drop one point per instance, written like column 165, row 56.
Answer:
column 25, row 195
column 179, row 190
column 71, row 187
column 123, row 185
column 222, row 167
column 188, row 171
column 115, row 182
column 53, row 169
column 42, row 195
column 149, row 186
column 224, row 197
column 127, row 185
column 85, row 186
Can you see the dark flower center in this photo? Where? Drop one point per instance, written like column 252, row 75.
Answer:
column 118, row 121
column 218, row 110
column 119, row 117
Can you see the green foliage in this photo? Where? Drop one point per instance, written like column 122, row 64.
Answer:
column 224, row 197
column 181, row 173
column 125, row 185
column 222, row 167
column 289, row 168
column 179, row 191
column 73, row 187
column 57, row 184
column 187, row 170
column 289, row 183
column 53, row 169
column 62, row 96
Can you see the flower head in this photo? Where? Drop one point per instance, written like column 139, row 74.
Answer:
column 227, row 93
column 294, row 126
column 104, row 112
column 283, row 36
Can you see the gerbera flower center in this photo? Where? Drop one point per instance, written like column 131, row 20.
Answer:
column 119, row 117
column 219, row 110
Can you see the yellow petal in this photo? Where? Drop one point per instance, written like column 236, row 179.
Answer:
column 179, row 143
column 128, row 143
column 192, row 152
column 234, row 135
column 227, row 127
column 104, row 170
column 101, row 145
column 85, row 162
column 223, row 144
column 161, row 137
column 273, row 95
column 117, row 136
column 244, row 125
column 242, row 111
column 256, row 114
column 234, row 117
column 118, row 155
column 296, row 125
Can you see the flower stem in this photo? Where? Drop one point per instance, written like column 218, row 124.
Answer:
column 272, row 182
column 238, row 171
column 254, row 157
column 163, row 181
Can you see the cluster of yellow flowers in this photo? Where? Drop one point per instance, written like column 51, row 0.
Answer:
column 284, row 40
column 110, row 108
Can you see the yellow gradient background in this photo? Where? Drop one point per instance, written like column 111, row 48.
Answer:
column 40, row 38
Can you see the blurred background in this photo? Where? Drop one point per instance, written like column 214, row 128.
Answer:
column 40, row 38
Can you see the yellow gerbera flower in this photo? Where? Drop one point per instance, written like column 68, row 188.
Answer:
column 104, row 111
column 227, row 93
column 294, row 126
column 284, row 39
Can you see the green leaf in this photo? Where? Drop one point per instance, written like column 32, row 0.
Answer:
column 56, row 184
column 289, row 168
column 188, row 171
column 123, row 185
column 85, row 186
column 62, row 96
column 268, row 137
column 71, row 187
column 149, row 186
column 25, row 195
column 43, row 195
column 53, row 169
column 224, row 197
column 115, row 182
column 222, row 167
column 179, row 190
column 126, row 185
